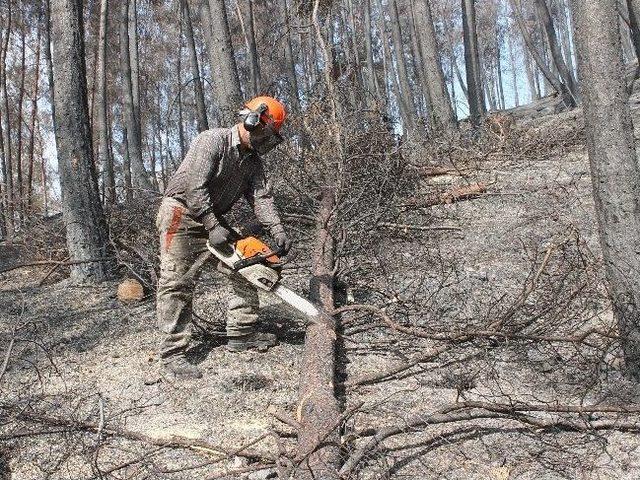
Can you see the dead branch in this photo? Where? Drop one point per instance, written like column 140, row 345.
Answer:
column 173, row 441
column 473, row 410
column 467, row 335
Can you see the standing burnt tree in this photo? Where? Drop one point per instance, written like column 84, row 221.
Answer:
column 614, row 168
column 87, row 236
column 472, row 62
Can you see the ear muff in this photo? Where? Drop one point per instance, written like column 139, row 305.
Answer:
column 252, row 119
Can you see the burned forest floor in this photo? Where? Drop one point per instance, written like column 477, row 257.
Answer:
column 491, row 295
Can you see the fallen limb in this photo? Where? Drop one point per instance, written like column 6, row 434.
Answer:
column 398, row 368
column 473, row 410
column 173, row 441
column 466, row 335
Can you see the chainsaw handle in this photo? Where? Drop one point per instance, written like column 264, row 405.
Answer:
column 246, row 262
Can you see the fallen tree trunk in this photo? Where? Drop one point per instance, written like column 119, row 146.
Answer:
column 318, row 436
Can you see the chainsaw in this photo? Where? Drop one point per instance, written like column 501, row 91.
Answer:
column 261, row 267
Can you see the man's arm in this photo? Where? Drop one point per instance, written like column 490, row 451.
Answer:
column 260, row 197
column 204, row 156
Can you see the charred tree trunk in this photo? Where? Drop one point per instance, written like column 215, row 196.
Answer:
column 405, row 97
column 554, row 80
column 555, row 50
column 256, row 81
column 291, row 63
column 198, row 90
column 472, row 63
column 441, row 111
column 514, row 74
column 4, row 108
column 318, row 438
column 140, row 179
column 370, row 78
column 105, row 159
column 21, row 92
column 34, row 116
column 228, row 94
column 634, row 23
column 614, row 169
column 181, row 141
column 87, row 237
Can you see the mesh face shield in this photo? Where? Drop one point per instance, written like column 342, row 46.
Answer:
column 264, row 139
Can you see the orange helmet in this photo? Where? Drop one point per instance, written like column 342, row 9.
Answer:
column 274, row 114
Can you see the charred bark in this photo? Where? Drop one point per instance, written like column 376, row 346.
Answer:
column 130, row 96
column 472, row 63
column 318, row 439
column 441, row 111
column 227, row 92
column 555, row 49
column 614, row 169
column 105, row 160
column 198, row 90
column 84, row 220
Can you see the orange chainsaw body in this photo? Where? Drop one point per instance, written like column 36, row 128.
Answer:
column 251, row 246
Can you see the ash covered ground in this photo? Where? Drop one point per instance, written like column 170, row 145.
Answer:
column 87, row 400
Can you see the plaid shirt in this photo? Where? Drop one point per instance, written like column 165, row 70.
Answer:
column 215, row 174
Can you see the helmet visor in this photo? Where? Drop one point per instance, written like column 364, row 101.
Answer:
column 265, row 139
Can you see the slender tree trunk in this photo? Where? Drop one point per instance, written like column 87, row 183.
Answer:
column 472, row 63
column 105, row 160
column 19, row 177
column 499, row 79
column 34, row 115
column 614, row 168
column 256, row 81
column 418, row 66
column 405, row 97
column 9, row 187
column 179, row 100
column 370, row 78
column 294, row 88
column 134, row 61
column 6, row 222
column 555, row 50
column 385, row 61
column 87, row 236
column 514, row 73
column 43, row 180
column 441, row 110
column 634, row 22
column 565, row 37
column 228, row 94
column 134, row 143
column 531, row 78
column 198, row 90
column 555, row 81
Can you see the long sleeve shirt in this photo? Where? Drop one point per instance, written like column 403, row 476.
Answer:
column 215, row 174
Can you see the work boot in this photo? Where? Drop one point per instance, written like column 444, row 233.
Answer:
column 178, row 366
column 258, row 340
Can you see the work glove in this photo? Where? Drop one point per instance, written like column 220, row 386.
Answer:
column 282, row 242
column 221, row 237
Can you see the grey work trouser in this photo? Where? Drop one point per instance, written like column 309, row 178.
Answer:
column 183, row 251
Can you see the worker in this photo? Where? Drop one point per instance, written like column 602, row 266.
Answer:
column 222, row 165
